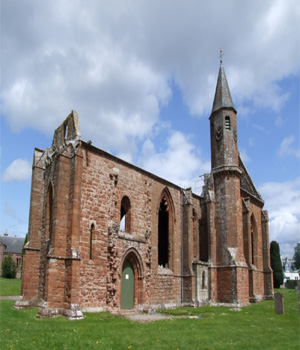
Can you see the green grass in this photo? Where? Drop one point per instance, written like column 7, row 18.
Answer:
column 255, row 327
column 10, row 286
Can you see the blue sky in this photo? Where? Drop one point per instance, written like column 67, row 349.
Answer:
column 142, row 76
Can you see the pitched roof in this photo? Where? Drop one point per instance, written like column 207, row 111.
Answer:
column 222, row 95
column 12, row 244
column 247, row 184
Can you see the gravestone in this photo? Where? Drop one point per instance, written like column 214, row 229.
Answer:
column 279, row 306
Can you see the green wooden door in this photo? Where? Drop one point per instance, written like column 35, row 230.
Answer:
column 127, row 295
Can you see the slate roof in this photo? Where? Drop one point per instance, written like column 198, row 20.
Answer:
column 247, row 183
column 12, row 244
column 223, row 97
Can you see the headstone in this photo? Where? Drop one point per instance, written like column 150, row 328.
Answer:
column 279, row 306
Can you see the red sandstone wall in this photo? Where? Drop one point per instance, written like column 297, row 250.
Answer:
column 30, row 275
column 243, row 285
column 253, row 216
column 105, row 180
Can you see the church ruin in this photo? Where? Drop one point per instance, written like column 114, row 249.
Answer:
column 105, row 235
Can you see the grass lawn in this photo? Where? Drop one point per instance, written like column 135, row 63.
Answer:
column 255, row 327
column 10, row 286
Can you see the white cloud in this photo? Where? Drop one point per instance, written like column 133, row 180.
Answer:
column 179, row 163
column 280, row 121
column 283, row 203
column 244, row 155
column 113, row 61
column 18, row 170
column 287, row 148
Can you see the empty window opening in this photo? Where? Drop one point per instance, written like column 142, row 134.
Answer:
column 122, row 223
column 92, row 232
column 252, row 249
column 66, row 132
column 252, row 242
column 49, row 218
column 125, row 215
column 227, row 122
column 203, row 241
column 163, row 234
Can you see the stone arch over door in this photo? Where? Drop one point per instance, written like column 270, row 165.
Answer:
column 132, row 260
column 165, row 239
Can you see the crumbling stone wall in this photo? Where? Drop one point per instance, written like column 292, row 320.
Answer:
column 32, row 249
column 105, row 181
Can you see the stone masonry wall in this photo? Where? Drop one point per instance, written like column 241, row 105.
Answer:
column 105, row 181
column 31, row 258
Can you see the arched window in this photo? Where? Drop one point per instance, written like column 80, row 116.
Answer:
column 252, row 248
column 92, row 231
column 125, row 215
column 49, row 215
column 227, row 122
column 163, row 234
column 253, row 241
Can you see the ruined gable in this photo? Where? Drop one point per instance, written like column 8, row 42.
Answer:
column 67, row 133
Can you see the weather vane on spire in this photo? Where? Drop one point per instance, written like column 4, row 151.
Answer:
column 221, row 56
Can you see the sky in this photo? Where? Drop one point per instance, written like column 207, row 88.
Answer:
column 142, row 77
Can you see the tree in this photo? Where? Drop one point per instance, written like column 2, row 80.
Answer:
column 9, row 267
column 276, row 264
column 296, row 256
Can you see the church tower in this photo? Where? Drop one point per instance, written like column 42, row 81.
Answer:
column 229, row 269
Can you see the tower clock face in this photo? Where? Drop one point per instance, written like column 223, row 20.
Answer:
column 219, row 133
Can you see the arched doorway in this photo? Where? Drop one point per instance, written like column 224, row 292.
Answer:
column 127, row 292
column 132, row 277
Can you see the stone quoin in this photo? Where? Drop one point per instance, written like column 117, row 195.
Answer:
column 105, row 235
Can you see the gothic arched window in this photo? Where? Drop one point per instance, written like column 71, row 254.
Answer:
column 165, row 231
column 49, row 214
column 125, row 215
column 253, row 242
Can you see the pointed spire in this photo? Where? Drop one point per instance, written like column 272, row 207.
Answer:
column 222, row 95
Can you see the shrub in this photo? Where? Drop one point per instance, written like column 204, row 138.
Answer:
column 9, row 267
column 276, row 264
column 291, row 284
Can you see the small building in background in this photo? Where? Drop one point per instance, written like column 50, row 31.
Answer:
column 11, row 245
column 290, row 271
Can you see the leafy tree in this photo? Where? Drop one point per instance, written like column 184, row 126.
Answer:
column 276, row 264
column 296, row 256
column 9, row 267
